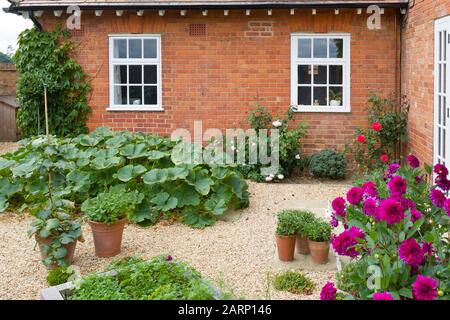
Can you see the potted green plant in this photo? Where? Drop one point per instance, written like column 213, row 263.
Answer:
column 335, row 98
column 56, row 230
column 319, row 234
column 107, row 215
column 305, row 219
column 285, row 235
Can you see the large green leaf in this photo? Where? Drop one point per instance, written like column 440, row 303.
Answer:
column 155, row 176
column 133, row 151
column 105, row 163
column 80, row 179
column 186, row 196
column 215, row 206
column 6, row 164
column 130, row 171
column 156, row 155
column 193, row 219
column 8, row 189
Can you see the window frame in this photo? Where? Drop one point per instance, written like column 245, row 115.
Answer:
column 344, row 61
column 135, row 61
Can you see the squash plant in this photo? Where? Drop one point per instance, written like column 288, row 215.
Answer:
column 89, row 164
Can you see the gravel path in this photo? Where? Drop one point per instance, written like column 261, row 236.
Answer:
column 238, row 252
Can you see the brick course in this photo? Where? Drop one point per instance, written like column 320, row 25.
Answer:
column 8, row 79
column 241, row 61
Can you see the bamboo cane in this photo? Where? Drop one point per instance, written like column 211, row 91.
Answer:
column 48, row 140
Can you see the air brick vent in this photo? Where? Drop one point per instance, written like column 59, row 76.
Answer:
column 197, row 29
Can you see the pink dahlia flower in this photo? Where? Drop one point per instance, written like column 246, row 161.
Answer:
column 382, row 296
column 397, row 185
column 413, row 161
column 411, row 252
column 391, row 211
column 437, row 198
column 354, row 195
column 344, row 243
column 370, row 189
column 338, row 206
column 328, row 291
column 425, row 288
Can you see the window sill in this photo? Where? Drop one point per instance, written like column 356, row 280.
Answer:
column 132, row 108
column 322, row 110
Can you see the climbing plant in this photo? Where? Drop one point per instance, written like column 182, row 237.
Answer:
column 43, row 61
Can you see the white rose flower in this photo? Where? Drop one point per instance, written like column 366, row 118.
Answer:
column 277, row 123
column 297, row 157
column 280, row 176
column 269, row 178
column 233, row 148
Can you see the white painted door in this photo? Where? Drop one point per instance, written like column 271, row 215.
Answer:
column 442, row 91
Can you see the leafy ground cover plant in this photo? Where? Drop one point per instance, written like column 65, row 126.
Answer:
column 89, row 164
column 328, row 164
column 109, row 207
column 289, row 144
column 60, row 275
column 373, row 147
column 293, row 282
column 161, row 278
column 397, row 229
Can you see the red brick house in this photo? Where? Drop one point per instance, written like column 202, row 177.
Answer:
column 160, row 65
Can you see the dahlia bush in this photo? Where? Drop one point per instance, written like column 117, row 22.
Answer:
column 396, row 232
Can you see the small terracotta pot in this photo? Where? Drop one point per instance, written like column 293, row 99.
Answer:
column 319, row 251
column 70, row 247
column 107, row 237
column 286, row 247
column 302, row 244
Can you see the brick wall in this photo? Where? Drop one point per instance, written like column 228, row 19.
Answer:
column 8, row 78
column 242, row 60
column 418, row 72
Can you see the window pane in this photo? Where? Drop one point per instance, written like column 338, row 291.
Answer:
column 150, row 74
column 335, row 96
column 320, row 74
column 150, row 95
column 304, row 48
column 335, row 74
column 120, row 48
column 304, row 96
column 150, row 48
column 336, row 48
column 120, row 95
column 136, row 95
column 135, row 74
column 135, row 48
column 120, row 74
column 304, row 74
column 320, row 48
column 320, row 96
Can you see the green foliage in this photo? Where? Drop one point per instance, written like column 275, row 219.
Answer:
column 43, row 60
column 328, row 164
column 60, row 275
column 287, row 223
column 300, row 218
column 57, row 222
column 319, row 231
column 4, row 58
column 352, row 277
column 84, row 166
column 288, row 141
column 160, row 278
column 386, row 141
column 109, row 207
column 293, row 282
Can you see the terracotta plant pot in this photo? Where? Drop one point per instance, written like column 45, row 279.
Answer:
column 286, row 247
column 319, row 251
column 302, row 244
column 70, row 247
column 107, row 237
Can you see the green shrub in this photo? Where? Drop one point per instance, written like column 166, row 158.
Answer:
column 328, row 164
column 111, row 206
column 289, row 144
column 293, row 282
column 43, row 59
column 300, row 218
column 352, row 277
column 287, row 223
column 60, row 275
column 319, row 231
column 85, row 166
column 160, row 278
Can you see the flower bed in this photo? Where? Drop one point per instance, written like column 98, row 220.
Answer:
column 396, row 232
